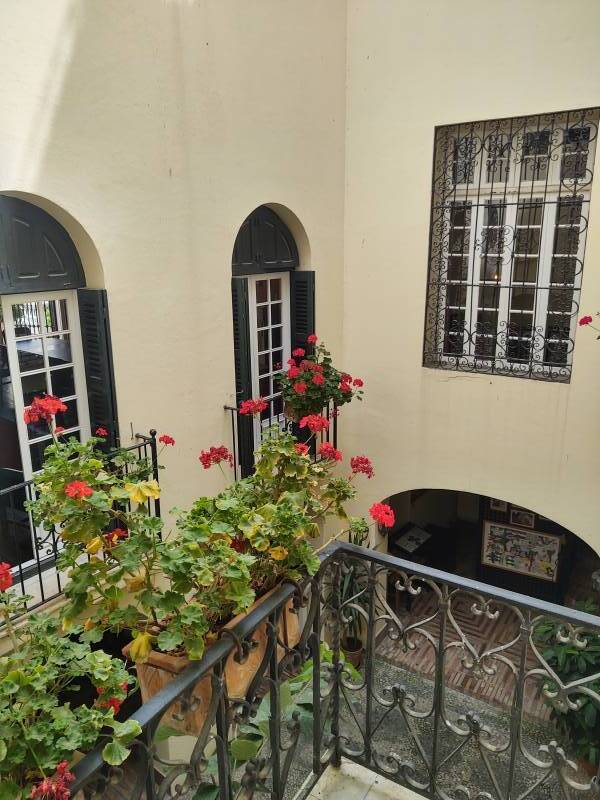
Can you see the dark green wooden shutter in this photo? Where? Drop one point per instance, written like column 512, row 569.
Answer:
column 97, row 356
column 302, row 306
column 243, row 375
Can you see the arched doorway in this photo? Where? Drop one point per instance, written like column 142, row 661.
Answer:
column 273, row 312
column 54, row 340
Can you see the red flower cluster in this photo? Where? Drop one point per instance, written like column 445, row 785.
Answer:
column 166, row 439
column 301, row 448
column 112, row 537
column 328, row 451
column 318, row 379
column 587, row 320
column 43, row 408
column 293, row 372
column 382, row 514
column 315, row 423
column 56, row 787
column 6, row 577
column 299, row 352
column 253, row 406
column 78, row 490
column 101, row 431
column 362, row 464
column 299, row 387
column 312, row 339
column 112, row 702
column 215, row 455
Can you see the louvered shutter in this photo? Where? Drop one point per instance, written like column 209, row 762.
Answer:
column 243, row 376
column 97, row 356
column 302, row 306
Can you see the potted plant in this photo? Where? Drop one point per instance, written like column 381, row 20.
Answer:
column 311, row 382
column 41, row 730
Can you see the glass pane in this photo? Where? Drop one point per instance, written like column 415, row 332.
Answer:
column 263, row 364
column 275, row 337
column 494, row 214
column 261, row 291
column 276, row 314
column 63, row 382
column 566, row 241
column 460, row 215
column 529, row 214
column 59, row 350
column 563, row 270
column 485, row 347
column 26, row 319
column 527, row 241
column 37, row 453
column 459, row 240
column 558, row 326
column 556, row 352
column 575, row 153
column 520, row 325
column 33, row 385
column 569, row 212
column 491, row 268
column 277, row 359
column 525, row 270
column 264, row 387
column 560, row 300
column 518, row 349
column 54, row 315
column 11, row 469
column 276, row 289
column 29, row 352
column 262, row 316
column 277, row 406
column 487, row 322
column 457, row 268
column 489, row 296
column 262, row 338
column 68, row 418
column 456, row 295
column 522, row 298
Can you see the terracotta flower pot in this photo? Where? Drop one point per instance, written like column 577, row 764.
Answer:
column 354, row 651
column 161, row 668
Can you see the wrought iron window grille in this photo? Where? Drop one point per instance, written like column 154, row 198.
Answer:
column 509, row 214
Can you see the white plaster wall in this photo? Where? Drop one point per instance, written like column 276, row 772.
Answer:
column 412, row 66
column 158, row 126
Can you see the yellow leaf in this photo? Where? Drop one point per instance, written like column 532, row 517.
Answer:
column 135, row 584
column 140, row 492
column 141, row 647
column 278, row 553
column 94, row 545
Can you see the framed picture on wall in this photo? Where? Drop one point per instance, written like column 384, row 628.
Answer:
column 519, row 516
column 498, row 505
column 518, row 550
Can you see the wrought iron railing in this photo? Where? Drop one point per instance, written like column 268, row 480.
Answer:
column 410, row 727
column 33, row 551
column 243, row 438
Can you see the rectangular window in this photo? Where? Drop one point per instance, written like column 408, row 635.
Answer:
column 510, row 204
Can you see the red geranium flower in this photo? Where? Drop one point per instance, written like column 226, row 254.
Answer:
column 101, row 432
column 78, row 490
column 345, row 387
column 586, row 320
column 318, row 379
column 328, row 451
column 6, row 577
column 362, row 464
column 253, row 406
column 215, row 455
column 166, row 439
column 43, row 408
column 299, row 352
column 382, row 514
column 58, row 430
column 358, row 382
column 312, row 339
column 112, row 537
column 293, row 372
column 301, row 448
column 299, row 387
column 290, row 362
column 56, row 787
column 315, row 423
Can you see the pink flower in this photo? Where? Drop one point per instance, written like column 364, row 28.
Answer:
column 312, row 339
column 253, row 406
column 586, row 320
column 328, row 451
column 299, row 352
column 315, row 423
column 318, row 379
column 101, row 431
column 362, row 464
column 299, row 387
column 166, row 439
column 301, row 448
column 382, row 514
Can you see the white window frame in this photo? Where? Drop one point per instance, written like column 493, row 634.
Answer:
column 259, row 424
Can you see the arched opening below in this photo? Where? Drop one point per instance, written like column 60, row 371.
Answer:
column 496, row 542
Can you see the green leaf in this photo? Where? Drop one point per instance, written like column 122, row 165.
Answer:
column 115, row 753
column 206, row 791
column 165, row 732
column 3, row 750
column 243, row 749
column 9, row 790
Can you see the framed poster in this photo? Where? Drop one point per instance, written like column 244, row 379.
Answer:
column 519, row 550
column 519, row 516
column 498, row 505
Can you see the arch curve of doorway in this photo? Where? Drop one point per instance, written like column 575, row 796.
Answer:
column 83, row 242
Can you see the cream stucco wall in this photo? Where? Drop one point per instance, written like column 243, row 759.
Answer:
column 156, row 127
column 412, row 66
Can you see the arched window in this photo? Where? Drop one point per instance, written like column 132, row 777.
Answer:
column 273, row 312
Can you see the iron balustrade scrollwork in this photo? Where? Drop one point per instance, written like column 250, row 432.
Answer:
column 32, row 550
column 415, row 730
